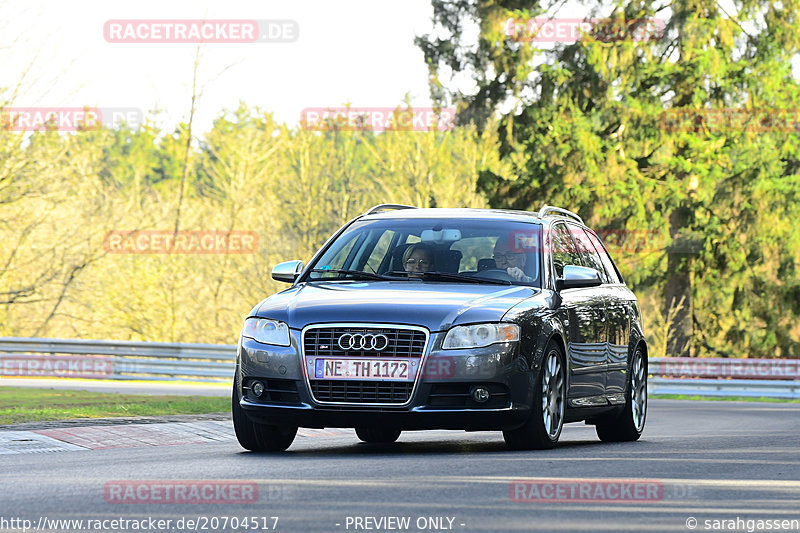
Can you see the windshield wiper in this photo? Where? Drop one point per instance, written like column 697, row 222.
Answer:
column 450, row 276
column 358, row 274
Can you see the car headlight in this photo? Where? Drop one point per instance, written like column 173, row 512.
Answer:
column 266, row 331
column 479, row 335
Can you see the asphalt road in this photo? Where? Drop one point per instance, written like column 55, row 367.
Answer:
column 705, row 461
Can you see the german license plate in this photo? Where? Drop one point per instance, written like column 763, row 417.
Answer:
column 365, row 369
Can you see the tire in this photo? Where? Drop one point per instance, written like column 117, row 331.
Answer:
column 258, row 437
column 543, row 429
column 377, row 435
column 628, row 424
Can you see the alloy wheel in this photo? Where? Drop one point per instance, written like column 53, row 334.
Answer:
column 552, row 394
column 638, row 392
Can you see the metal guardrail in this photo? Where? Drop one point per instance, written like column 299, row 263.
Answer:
column 755, row 388
column 774, row 378
column 101, row 359
column 720, row 368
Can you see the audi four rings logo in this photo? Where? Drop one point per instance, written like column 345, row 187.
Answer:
column 363, row 341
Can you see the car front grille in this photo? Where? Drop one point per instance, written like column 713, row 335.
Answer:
column 408, row 342
column 324, row 342
column 351, row 391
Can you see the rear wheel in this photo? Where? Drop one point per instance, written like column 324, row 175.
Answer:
column 258, row 437
column 628, row 424
column 377, row 435
column 543, row 428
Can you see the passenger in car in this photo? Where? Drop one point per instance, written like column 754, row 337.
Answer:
column 418, row 258
column 511, row 262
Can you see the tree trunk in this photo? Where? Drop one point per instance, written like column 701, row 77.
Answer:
column 678, row 289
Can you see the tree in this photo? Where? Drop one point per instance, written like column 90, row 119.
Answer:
column 46, row 185
column 623, row 131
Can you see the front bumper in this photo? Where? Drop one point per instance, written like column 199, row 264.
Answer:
column 308, row 416
column 441, row 399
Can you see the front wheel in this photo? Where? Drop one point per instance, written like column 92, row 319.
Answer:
column 377, row 435
column 258, row 437
column 543, row 428
column 629, row 423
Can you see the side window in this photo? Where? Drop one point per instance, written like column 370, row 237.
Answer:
column 343, row 253
column 588, row 252
column 379, row 251
column 564, row 251
column 613, row 275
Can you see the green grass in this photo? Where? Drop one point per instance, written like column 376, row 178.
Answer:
column 722, row 398
column 19, row 404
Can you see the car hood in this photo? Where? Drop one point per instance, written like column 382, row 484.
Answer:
column 435, row 305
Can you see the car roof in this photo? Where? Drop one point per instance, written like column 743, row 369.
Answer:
column 465, row 213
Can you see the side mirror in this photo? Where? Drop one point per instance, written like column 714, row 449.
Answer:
column 287, row 271
column 576, row 277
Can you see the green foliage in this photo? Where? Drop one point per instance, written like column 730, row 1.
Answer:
column 61, row 194
column 588, row 130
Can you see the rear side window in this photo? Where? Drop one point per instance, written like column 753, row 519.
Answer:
column 473, row 249
column 564, row 250
column 611, row 269
column 589, row 254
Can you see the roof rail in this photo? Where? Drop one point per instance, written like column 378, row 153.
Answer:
column 552, row 209
column 387, row 207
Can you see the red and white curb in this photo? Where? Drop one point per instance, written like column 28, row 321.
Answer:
column 130, row 436
column 13, row 442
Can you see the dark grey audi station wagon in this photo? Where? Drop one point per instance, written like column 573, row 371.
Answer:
column 470, row 319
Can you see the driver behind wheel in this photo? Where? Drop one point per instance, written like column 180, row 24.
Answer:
column 418, row 258
column 511, row 262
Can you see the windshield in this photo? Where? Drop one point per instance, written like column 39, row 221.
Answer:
column 438, row 250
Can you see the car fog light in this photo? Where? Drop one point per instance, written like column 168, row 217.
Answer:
column 258, row 388
column 480, row 394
